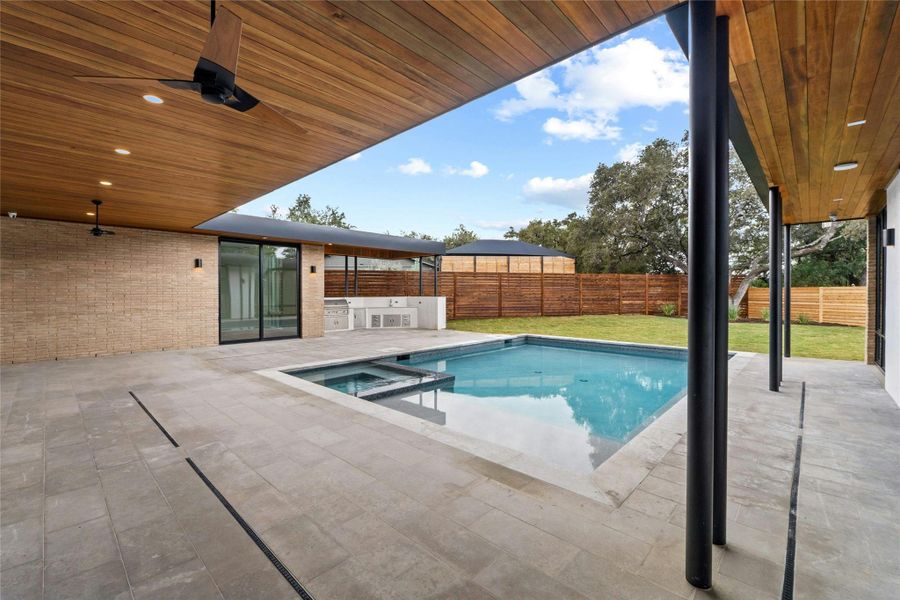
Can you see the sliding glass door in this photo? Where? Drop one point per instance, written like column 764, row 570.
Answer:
column 259, row 295
column 280, row 294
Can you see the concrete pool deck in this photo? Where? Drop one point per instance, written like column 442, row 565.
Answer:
column 95, row 501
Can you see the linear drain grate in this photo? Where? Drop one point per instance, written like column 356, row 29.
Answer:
column 787, row 589
column 152, row 418
column 288, row 576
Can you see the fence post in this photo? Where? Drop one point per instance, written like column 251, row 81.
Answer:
column 500, row 294
column 678, row 296
column 821, row 305
column 580, row 295
column 542, row 288
column 646, row 293
column 619, row 279
column 455, row 298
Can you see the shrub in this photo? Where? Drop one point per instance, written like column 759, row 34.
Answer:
column 764, row 314
column 733, row 312
column 803, row 319
column 667, row 309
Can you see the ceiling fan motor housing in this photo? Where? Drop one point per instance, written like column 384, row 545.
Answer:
column 216, row 82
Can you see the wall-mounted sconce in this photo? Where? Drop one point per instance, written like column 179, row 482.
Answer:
column 312, row 268
column 889, row 237
column 198, row 264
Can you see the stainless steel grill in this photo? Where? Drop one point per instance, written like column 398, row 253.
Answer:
column 337, row 314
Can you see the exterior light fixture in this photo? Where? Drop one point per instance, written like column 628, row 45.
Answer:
column 152, row 99
column 856, row 123
column 846, row 166
column 123, row 151
column 198, row 264
column 889, row 237
column 312, row 268
column 106, row 183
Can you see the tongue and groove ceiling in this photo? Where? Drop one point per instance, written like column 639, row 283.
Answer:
column 352, row 74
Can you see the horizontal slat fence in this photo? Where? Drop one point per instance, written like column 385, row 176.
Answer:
column 487, row 295
column 838, row 305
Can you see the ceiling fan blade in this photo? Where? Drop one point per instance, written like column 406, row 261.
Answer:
column 246, row 102
column 224, row 41
column 108, row 232
column 181, row 84
column 132, row 81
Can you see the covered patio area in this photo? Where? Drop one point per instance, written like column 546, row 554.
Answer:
column 99, row 503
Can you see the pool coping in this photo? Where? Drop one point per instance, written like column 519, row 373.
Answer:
column 610, row 483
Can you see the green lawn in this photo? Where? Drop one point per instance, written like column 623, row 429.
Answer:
column 814, row 341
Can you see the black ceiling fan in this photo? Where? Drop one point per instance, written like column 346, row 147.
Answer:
column 96, row 231
column 214, row 75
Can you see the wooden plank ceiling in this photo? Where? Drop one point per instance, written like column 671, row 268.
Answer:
column 351, row 74
column 801, row 71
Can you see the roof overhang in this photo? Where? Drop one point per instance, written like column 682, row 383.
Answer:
column 351, row 74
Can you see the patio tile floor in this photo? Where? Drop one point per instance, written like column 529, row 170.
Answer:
column 96, row 502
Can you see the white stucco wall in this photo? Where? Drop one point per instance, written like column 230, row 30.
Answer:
column 892, row 296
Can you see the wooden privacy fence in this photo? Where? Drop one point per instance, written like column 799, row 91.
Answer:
column 486, row 295
column 840, row 305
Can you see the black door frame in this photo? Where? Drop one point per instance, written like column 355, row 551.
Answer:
column 260, row 337
column 880, row 296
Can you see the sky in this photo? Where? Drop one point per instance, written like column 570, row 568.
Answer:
column 526, row 151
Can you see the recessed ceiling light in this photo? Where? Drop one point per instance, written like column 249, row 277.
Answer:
column 152, row 99
column 90, row 214
column 837, row 200
column 856, row 123
column 106, row 183
column 123, row 151
column 846, row 166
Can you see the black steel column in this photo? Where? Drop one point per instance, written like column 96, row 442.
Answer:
column 701, row 294
column 421, row 289
column 720, row 426
column 787, row 291
column 346, row 276
column 774, row 289
column 434, row 268
column 356, row 276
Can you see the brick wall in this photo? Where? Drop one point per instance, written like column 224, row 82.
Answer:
column 312, row 291
column 66, row 294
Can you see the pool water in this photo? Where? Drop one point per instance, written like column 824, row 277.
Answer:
column 572, row 407
column 572, row 404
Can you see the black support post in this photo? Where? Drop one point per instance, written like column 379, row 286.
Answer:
column 720, row 425
column 434, row 267
column 346, row 276
column 774, row 289
column 787, row 291
column 356, row 276
column 701, row 294
column 421, row 288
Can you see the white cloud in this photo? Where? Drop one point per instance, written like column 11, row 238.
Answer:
column 475, row 170
column 630, row 152
column 582, row 130
column 355, row 157
column 414, row 166
column 556, row 190
column 596, row 85
column 650, row 125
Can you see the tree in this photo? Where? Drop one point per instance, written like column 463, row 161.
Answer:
column 552, row 233
column 415, row 235
column 302, row 211
column 459, row 237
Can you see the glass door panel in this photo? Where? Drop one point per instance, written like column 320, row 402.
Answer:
column 280, row 294
column 238, row 291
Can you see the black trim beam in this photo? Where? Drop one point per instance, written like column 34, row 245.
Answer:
column 346, row 276
column 356, row 276
column 787, row 291
column 421, row 283
column 701, row 294
column 774, row 289
column 720, row 418
column 434, row 268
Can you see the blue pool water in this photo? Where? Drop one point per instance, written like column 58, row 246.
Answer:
column 570, row 406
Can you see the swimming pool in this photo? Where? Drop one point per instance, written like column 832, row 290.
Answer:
column 570, row 403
